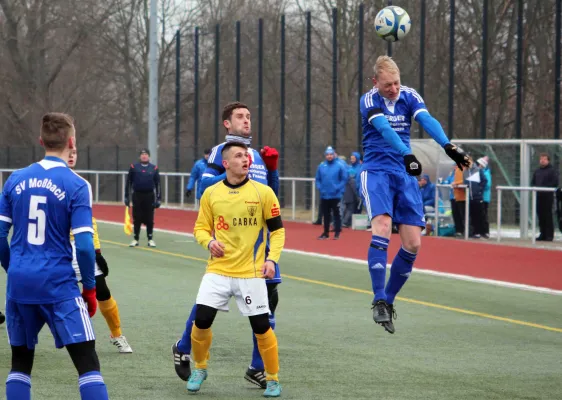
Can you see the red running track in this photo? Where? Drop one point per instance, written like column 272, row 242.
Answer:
column 523, row 265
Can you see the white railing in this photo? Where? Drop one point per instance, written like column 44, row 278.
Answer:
column 533, row 191
column 183, row 175
column 466, row 206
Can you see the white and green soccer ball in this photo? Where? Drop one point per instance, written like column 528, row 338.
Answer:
column 392, row 23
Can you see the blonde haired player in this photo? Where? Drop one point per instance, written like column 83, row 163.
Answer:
column 107, row 304
column 233, row 222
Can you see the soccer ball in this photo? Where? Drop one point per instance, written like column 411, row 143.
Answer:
column 392, row 23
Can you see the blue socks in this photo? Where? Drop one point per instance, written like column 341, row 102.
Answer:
column 377, row 265
column 257, row 362
column 92, row 386
column 184, row 344
column 18, row 386
column 399, row 273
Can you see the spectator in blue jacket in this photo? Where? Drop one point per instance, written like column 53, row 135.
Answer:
column 476, row 181
column 331, row 179
column 487, row 195
column 427, row 189
column 196, row 175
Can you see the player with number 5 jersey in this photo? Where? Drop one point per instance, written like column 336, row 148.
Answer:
column 44, row 203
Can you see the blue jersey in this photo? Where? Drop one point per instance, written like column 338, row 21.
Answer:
column 378, row 153
column 258, row 170
column 44, row 202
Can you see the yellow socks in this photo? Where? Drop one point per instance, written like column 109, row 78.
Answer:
column 110, row 312
column 267, row 345
column 200, row 344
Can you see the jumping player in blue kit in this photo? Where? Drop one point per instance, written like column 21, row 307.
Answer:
column 388, row 184
column 263, row 169
column 45, row 202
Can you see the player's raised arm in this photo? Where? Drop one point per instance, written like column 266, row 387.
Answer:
column 204, row 225
column 270, row 157
column 272, row 216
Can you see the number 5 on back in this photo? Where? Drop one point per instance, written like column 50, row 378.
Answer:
column 36, row 229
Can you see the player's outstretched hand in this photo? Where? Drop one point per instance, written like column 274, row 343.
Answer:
column 89, row 296
column 413, row 166
column 270, row 157
column 216, row 248
column 268, row 269
column 458, row 156
column 102, row 264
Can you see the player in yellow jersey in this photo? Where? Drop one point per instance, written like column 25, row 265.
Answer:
column 107, row 304
column 234, row 218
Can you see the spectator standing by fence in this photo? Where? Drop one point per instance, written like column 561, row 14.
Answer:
column 487, row 195
column 545, row 176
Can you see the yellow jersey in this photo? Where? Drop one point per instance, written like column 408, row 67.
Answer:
column 240, row 216
column 97, row 244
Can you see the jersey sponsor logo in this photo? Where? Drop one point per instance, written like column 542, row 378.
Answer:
column 244, row 221
column 275, row 212
column 252, row 210
column 222, row 224
column 252, row 202
column 258, row 166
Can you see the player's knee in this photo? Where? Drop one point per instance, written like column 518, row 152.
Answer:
column 412, row 244
column 204, row 316
column 84, row 357
column 260, row 323
column 272, row 296
column 102, row 291
column 22, row 359
column 381, row 225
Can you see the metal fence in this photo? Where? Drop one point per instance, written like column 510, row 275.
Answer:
column 512, row 163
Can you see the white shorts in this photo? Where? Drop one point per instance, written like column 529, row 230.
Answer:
column 250, row 294
column 75, row 265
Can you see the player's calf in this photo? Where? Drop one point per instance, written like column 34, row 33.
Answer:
column 90, row 380
column 18, row 383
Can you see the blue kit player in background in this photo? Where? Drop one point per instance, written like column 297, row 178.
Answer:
column 45, row 202
column 263, row 169
column 196, row 175
column 388, row 184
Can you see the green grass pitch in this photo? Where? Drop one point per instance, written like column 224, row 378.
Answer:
column 330, row 348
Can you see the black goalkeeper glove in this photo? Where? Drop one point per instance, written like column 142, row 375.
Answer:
column 458, row 156
column 2, row 318
column 126, row 201
column 187, row 193
column 102, row 264
column 413, row 166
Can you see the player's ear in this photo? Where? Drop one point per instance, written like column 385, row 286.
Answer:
column 72, row 142
column 41, row 141
column 224, row 163
column 226, row 124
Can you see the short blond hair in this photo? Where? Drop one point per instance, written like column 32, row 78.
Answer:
column 385, row 63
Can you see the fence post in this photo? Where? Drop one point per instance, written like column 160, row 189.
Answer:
column 282, row 114
column 466, row 212
column 524, row 180
column 484, row 83
column 557, row 68
column 334, row 77
column 308, row 97
column 260, row 82
column 196, row 95
column 422, row 59
column 451, row 105
column 499, row 222
column 534, row 218
column 360, row 73
column 217, row 85
column 178, row 83
column 238, row 50
column 519, row 65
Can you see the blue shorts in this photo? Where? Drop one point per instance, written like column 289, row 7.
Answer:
column 69, row 322
column 394, row 193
